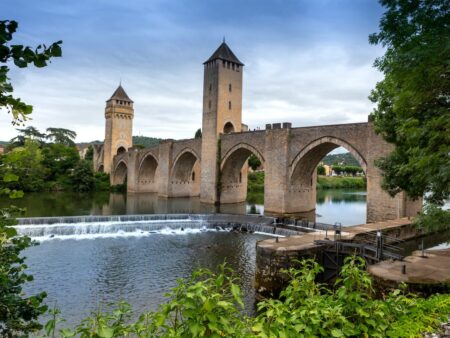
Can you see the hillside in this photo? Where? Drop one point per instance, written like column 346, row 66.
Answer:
column 145, row 141
column 345, row 159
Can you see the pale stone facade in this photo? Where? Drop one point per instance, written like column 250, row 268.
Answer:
column 215, row 166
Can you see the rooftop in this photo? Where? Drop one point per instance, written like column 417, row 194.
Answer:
column 224, row 53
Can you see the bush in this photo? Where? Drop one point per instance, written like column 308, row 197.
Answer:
column 82, row 177
column 18, row 313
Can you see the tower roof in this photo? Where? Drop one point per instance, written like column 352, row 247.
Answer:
column 120, row 94
column 224, row 53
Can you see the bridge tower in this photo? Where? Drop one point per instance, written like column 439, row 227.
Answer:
column 222, row 113
column 119, row 114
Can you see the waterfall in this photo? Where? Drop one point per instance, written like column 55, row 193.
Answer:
column 89, row 227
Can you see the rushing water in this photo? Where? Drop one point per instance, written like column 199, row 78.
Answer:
column 84, row 265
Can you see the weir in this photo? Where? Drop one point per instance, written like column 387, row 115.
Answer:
column 83, row 227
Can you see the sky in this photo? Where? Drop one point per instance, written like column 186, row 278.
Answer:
column 306, row 62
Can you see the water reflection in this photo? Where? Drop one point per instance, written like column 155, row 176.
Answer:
column 345, row 206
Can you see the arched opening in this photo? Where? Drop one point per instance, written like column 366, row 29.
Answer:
column 147, row 174
column 241, row 179
column 184, row 172
column 120, row 174
column 228, row 128
column 328, row 179
column 121, row 150
column 101, row 168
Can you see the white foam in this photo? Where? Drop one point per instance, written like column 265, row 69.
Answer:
column 125, row 234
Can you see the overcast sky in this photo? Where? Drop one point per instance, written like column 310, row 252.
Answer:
column 306, row 62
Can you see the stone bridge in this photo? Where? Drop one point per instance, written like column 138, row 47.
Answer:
column 289, row 155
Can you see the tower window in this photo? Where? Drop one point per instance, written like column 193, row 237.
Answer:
column 229, row 87
column 193, row 176
column 232, row 66
column 209, row 104
column 228, row 65
column 210, row 86
column 229, row 104
column 223, row 63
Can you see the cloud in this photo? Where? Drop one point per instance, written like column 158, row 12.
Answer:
column 308, row 63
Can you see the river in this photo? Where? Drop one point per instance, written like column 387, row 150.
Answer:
column 81, row 273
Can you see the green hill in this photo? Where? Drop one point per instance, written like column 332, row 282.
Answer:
column 145, row 141
column 345, row 159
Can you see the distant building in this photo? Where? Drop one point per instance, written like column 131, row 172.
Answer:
column 328, row 170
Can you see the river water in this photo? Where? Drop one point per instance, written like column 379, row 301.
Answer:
column 81, row 273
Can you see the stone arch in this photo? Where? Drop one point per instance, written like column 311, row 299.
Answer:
column 101, row 168
column 234, row 172
column 244, row 148
column 120, row 173
column 306, row 161
column 183, row 165
column 147, row 169
column 228, row 128
column 120, row 150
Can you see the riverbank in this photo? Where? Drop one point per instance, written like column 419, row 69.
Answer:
column 256, row 183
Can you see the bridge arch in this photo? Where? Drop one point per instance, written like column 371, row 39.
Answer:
column 120, row 173
column 185, row 174
column 147, row 173
column 234, row 172
column 304, row 164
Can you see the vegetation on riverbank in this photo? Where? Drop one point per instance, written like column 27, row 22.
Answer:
column 49, row 162
column 255, row 187
column 209, row 305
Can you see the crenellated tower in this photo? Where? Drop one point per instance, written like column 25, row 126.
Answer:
column 222, row 111
column 119, row 114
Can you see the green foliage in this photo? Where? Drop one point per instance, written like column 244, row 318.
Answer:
column 198, row 133
column 413, row 106
column 433, row 218
column 21, row 56
column 62, row 136
column 321, row 170
column 206, row 305
column 89, row 154
column 254, row 162
column 82, row 177
column 339, row 182
column 209, row 305
column 26, row 162
column 102, row 182
column 18, row 312
column 58, row 159
column 341, row 159
column 147, row 142
column 347, row 170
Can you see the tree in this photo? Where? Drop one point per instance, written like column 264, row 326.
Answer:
column 198, row 133
column 62, row 136
column 21, row 56
column 413, row 99
column 89, row 153
column 58, row 159
column 321, row 170
column 29, row 132
column 18, row 312
column 254, row 162
column 82, row 177
column 26, row 163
